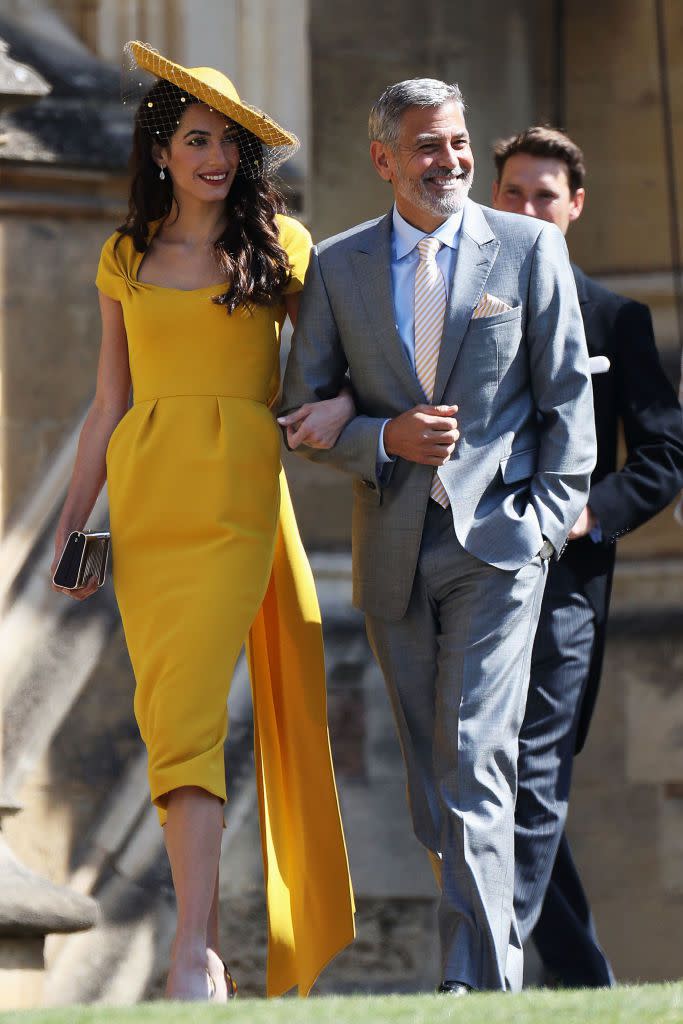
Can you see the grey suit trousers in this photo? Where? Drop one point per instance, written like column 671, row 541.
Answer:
column 457, row 670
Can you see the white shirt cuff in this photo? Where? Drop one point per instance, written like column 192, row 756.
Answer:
column 383, row 459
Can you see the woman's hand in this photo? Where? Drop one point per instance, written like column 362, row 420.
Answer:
column 319, row 424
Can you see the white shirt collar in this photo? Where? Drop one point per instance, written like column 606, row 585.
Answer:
column 406, row 236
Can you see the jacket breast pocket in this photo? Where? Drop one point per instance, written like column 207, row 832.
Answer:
column 498, row 340
column 519, row 465
column 481, row 323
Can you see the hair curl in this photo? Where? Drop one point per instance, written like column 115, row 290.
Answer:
column 248, row 252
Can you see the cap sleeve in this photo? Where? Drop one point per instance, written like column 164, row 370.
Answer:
column 297, row 242
column 111, row 278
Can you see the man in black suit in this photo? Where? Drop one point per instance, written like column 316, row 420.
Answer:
column 540, row 173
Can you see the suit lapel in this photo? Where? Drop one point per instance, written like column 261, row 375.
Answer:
column 476, row 255
column 372, row 269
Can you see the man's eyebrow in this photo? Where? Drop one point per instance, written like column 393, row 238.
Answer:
column 437, row 136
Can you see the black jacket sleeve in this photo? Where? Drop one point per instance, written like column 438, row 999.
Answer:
column 653, row 429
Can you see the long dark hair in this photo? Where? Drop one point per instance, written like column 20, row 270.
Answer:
column 248, row 251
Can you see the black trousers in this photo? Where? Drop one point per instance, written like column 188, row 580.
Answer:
column 550, row 902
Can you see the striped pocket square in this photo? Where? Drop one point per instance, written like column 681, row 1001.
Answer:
column 489, row 305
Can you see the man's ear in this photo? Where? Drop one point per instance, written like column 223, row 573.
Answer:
column 380, row 159
column 494, row 191
column 576, row 205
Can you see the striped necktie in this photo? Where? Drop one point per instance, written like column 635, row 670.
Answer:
column 430, row 309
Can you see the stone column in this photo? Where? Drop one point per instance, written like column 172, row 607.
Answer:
column 30, row 906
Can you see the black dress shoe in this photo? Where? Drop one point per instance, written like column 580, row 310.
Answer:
column 454, row 988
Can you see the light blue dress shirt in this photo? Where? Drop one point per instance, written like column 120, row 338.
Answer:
column 404, row 260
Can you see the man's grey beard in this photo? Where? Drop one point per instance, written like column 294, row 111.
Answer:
column 443, row 205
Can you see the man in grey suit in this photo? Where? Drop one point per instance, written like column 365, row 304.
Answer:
column 451, row 584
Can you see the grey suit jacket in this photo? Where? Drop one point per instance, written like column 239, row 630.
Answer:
column 521, row 468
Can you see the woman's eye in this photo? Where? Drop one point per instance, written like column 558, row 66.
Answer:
column 196, row 141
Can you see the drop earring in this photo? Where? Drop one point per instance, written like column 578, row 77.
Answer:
column 162, row 174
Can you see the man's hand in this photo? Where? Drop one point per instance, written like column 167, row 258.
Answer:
column 425, row 434
column 583, row 525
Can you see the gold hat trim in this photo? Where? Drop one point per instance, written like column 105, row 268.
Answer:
column 216, row 90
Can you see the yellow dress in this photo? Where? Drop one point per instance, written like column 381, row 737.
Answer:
column 207, row 557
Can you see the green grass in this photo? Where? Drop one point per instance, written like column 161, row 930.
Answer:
column 646, row 1004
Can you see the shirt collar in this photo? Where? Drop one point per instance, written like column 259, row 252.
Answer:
column 406, row 236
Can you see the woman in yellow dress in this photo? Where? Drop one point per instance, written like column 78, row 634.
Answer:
column 194, row 289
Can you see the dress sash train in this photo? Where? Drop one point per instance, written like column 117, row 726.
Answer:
column 308, row 889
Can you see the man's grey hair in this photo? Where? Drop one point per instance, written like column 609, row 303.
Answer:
column 385, row 115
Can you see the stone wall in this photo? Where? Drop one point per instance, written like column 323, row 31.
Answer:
column 617, row 117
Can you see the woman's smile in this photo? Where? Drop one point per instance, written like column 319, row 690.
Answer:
column 214, row 177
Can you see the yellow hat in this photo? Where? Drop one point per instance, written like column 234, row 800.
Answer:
column 216, row 90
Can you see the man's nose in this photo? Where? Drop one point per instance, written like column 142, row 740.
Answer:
column 449, row 158
column 529, row 210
